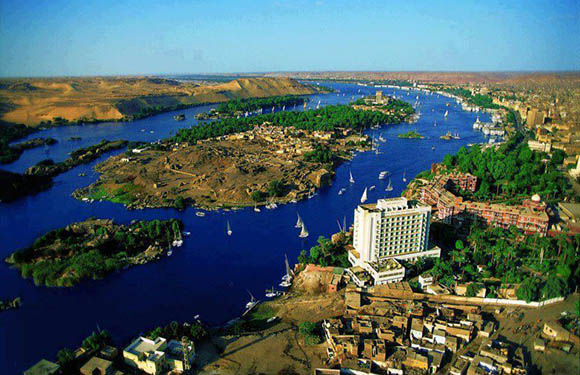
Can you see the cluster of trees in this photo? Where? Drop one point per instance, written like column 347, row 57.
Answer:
column 311, row 333
column 320, row 154
column 480, row 100
column 65, row 256
column 175, row 331
column 96, row 341
column 276, row 188
column 544, row 267
column 511, row 170
column 16, row 185
column 326, row 253
column 252, row 104
column 326, row 119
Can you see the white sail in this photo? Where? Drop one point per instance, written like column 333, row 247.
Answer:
column 229, row 228
column 351, row 178
column 389, row 186
column 298, row 222
column 404, row 178
column 446, row 113
column 304, row 232
column 364, row 196
column 289, row 272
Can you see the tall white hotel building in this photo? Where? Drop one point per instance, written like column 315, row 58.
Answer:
column 390, row 229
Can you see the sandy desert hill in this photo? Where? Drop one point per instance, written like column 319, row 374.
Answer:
column 33, row 101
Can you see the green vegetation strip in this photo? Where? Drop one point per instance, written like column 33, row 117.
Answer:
column 325, row 119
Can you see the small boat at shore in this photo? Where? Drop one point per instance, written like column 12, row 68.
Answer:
column 272, row 293
column 256, row 209
column 200, row 214
column 253, row 302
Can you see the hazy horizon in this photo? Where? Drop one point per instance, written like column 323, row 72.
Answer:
column 43, row 39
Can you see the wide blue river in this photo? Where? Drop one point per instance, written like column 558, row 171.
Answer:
column 210, row 273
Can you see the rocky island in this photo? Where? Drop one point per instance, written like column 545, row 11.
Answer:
column 237, row 162
column 93, row 249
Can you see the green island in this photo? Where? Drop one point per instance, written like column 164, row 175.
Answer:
column 237, row 162
column 411, row 134
column 239, row 107
column 93, row 249
column 328, row 118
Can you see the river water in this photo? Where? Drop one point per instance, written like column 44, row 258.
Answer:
column 210, row 273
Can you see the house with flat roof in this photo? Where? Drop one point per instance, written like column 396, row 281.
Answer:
column 43, row 367
column 99, row 366
column 146, row 355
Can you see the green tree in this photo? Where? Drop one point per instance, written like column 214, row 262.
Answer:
column 65, row 357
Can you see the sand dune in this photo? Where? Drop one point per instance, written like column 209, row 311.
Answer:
column 36, row 101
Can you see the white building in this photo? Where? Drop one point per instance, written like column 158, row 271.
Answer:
column 391, row 228
column 387, row 230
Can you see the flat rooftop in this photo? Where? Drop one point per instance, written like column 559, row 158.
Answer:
column 384, row 265
column 145, row 345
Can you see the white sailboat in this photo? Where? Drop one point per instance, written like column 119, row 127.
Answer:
column 372, row 188
column 252, row 301
column 351, row 178
column 271, row 293
column 389, row 186
column 404, row 178
column 446, row 113
column 383, row 175
column 289, row 273
column 304, row 232
column 229, row 228
column 298, row 222
column 435, row 124
column 256, row 209
column 364, row 196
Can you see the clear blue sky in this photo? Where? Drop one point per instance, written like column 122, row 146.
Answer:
column 54, row 37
